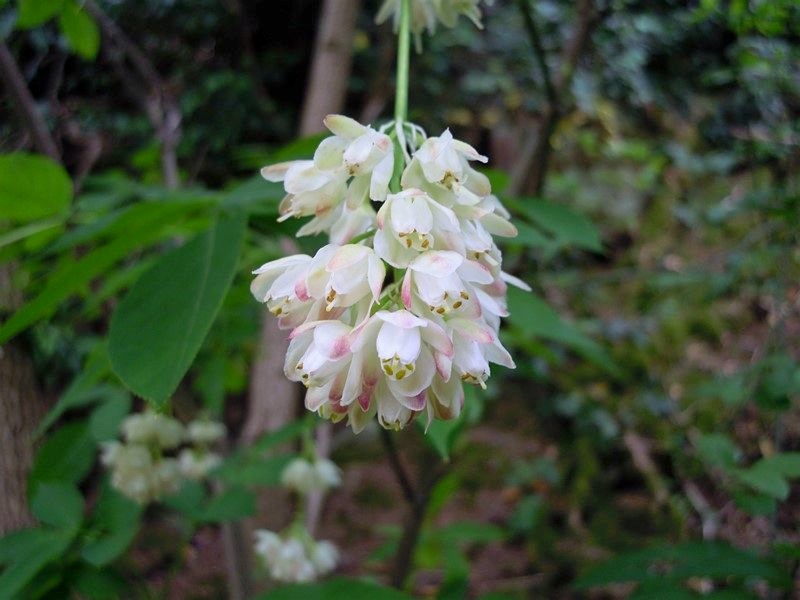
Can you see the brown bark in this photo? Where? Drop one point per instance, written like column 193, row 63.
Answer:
column 22, row 406
column 330, row 67
column 25, row 106
column 530, row 171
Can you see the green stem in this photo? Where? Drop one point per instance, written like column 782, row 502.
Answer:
column 403, row 54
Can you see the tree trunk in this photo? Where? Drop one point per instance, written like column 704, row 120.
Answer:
column 22, row 406
column 326, row 90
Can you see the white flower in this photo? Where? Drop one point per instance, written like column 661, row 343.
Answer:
column 443, row 282
column 412, row 222
column 153, row 428
column 291, row 563
column 299, row 475
column 298, row 287
column 476, row 345
column 349, row 168
column 325, row 557
column 196, row 465
column 327, row 474
column 268, row 544
column 205, row 432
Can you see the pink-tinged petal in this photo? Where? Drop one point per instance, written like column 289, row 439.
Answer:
column 301, row 329
column 301, row 290
column 475, row 272
column 497, row 354
column 376, row 273
column 437, row 338
column 347, row 256
column 415, row 403
column 497, row 225
column 444, row 365
column 437, row 263
column 405, row 289
column 491, row 304
column 401, row 318
column 381, row 216
column 332, row 339
column 515, row 281
column 472, row 330
column 344, row 126
column 282, row 263
column 365, row 399
column 276, row 173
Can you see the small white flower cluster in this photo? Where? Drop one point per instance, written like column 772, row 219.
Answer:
column 140, row 466
column 365, row 347
column 304, row 477
column 426, row 14
column 294, row 555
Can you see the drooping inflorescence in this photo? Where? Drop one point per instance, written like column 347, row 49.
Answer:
column 405, row 303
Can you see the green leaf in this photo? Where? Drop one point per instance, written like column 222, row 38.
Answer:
column 718, row 450
column 82, row 390
column 24, row 553
column 159, row 326
column 80, row 30
column 239, row 470
column 29, row 230
column 98, row 584
column 232, row 504
column 526, row 515
column 335, row 589
column 66, row 456
column 74, row 275
column 535, row 318
column 442, row 435
column 58, row 504
column 472, row 532
column 115, row 523
column 765, row 478
column 32, row 187
column 566, row 226
column 715, row 560
column 33, row 13
column 106, row 419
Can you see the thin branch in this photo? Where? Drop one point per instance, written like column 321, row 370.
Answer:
column 530, row 170
column 539, row 53
column 153, row 96
column 399, row 471
column 25, row 105
column 432, row 471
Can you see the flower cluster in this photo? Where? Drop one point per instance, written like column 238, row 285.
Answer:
column 294, row 555
column 404, row 305
column 426, row 14
column 142, row 467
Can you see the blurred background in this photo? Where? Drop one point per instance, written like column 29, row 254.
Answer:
column 647, row 443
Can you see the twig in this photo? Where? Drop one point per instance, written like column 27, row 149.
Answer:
column 157, row 102
column 432, row 471
column 531, row 169
column 399, row 471
column 25, row 105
